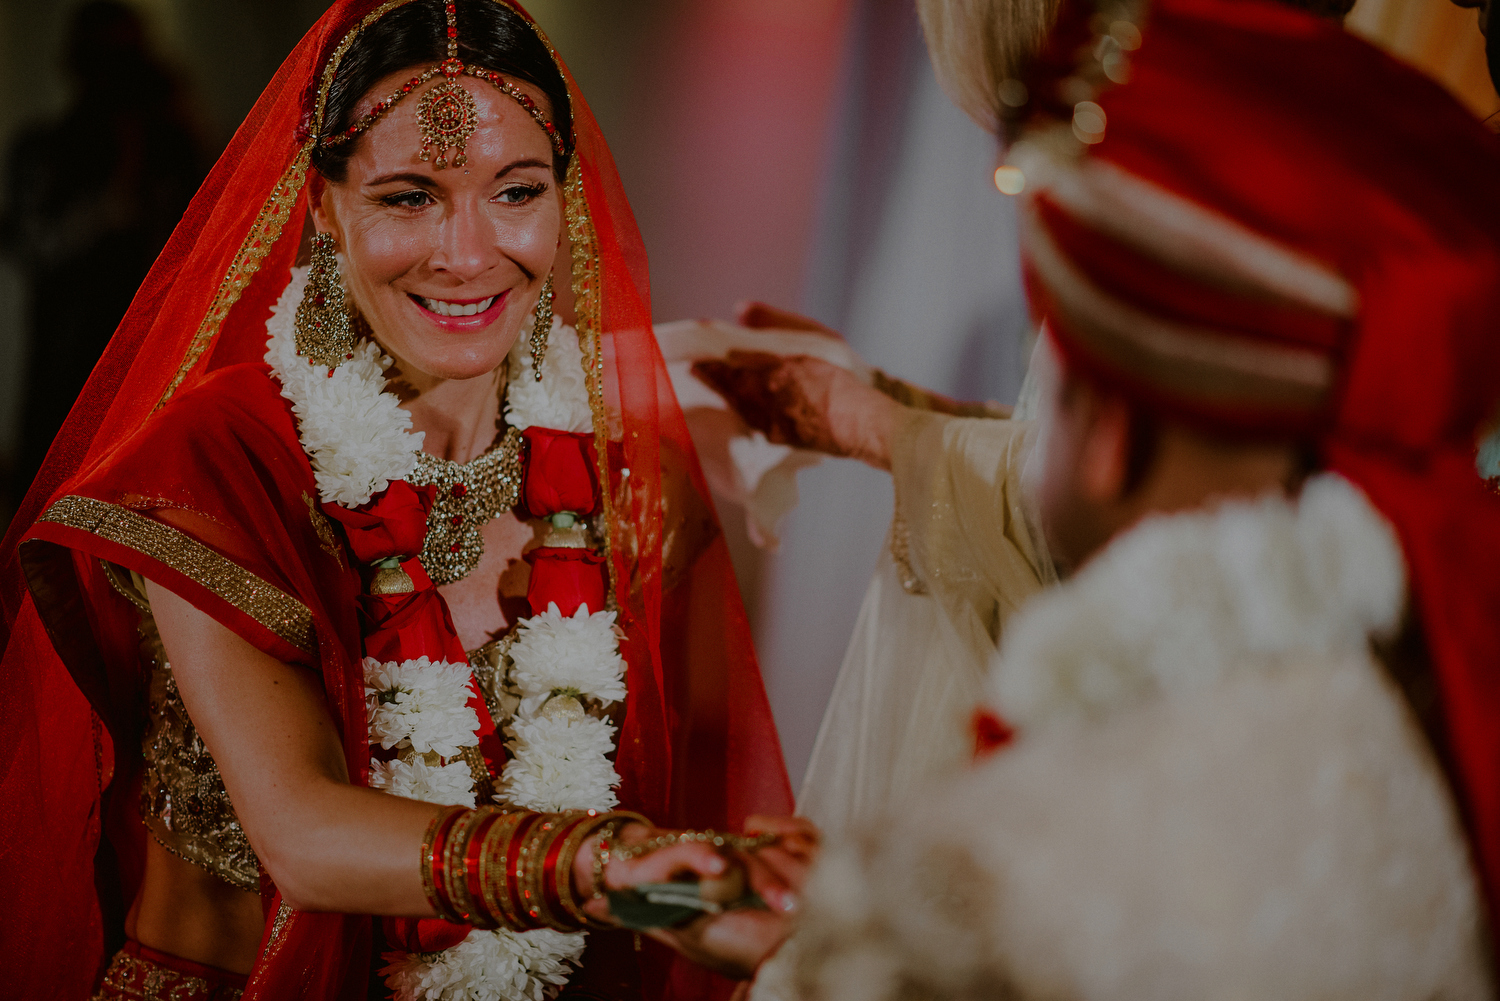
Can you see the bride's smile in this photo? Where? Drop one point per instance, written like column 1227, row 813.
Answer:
column 445, row 265
column 455, row 309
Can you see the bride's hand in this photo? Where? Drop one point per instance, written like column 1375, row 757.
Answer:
column 736, row 941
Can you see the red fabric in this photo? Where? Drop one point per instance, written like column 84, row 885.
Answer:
column 561, row 474
column 566, row 578
column 237, row 482
column 1312, row 138
column 991, row 733
column 392, row 524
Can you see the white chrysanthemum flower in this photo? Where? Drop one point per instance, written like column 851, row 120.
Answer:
column 560, row 764
column 1253, row 582
column 355, row 433
column 447, row 785
column 553, row 651
column 487, row 966
column 421, row 704
column 560, row 400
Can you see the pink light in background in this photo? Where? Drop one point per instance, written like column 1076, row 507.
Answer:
column 735, row 131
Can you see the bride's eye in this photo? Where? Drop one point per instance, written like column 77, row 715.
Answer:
column 521, row 194
column 413, row 199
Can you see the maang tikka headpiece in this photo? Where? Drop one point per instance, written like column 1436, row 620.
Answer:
column 447, row 114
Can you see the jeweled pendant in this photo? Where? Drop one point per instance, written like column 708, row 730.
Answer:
column 447, row 116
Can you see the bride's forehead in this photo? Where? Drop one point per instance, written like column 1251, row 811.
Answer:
column 503, row 130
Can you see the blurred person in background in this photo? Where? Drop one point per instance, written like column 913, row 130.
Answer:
column 964, row 552
column 1251, row 746
column 91, row 198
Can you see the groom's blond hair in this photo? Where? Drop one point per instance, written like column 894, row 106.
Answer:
column 977, row 45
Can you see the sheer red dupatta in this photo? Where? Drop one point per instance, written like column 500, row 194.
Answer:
column 697, row 745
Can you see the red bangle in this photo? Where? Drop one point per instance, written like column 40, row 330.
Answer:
column 473, row 890
column 515, row 870
column 552, row 891
column 434, row 867
column 494, row 863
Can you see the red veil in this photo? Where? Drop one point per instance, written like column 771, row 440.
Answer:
column 697, row 746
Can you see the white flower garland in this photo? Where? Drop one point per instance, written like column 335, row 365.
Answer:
column 359, row 441
column 560, row 400
column 356, row 434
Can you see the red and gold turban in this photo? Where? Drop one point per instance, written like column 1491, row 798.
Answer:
column 1259, row 225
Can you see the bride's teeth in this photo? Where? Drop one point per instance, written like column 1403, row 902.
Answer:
column 442, row 308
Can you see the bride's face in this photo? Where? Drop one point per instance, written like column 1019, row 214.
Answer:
column 446, row 265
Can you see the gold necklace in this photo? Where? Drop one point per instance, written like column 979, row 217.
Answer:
column 469, row 494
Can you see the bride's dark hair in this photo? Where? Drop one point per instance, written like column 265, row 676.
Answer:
column 490, row 35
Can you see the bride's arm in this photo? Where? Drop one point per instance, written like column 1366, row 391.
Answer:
column 328, row 845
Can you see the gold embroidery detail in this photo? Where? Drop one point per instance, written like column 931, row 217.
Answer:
column 124, row 587
column 257, row 243
column 911, row 583
column 278, row 930
column 588, row 309
column 183, row 801
column 131, row 978
column 273, row 608
column 491, row 666
column 331, row 70
column 327, row 541
column 484, row 782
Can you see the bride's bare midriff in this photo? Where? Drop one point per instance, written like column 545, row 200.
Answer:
column 186, row 911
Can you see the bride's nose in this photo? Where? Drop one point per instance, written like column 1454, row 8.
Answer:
column 466, row 245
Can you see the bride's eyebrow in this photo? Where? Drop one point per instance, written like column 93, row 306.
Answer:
column 419, row 180
column 518, row 164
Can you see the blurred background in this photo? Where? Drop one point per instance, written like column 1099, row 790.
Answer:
column 793, row 151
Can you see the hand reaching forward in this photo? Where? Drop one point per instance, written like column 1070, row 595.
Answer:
column 736, row 941
column 801, row 401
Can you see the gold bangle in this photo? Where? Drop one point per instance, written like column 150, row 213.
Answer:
column 567, row 855
column 740, row 842
column 528, row 870
column 428, row 859
column 453, row 859
column 608, row 830
column 493, row 860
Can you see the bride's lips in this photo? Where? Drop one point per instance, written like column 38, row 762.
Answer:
column 485, row 311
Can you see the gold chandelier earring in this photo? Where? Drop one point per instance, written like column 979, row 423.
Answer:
column 325, row 334
column 541, row 327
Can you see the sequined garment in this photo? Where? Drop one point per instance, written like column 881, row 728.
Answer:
column 141, row 974
column 183, row 801
column 469, row 495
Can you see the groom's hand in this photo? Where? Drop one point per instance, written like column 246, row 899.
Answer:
column 806, row 403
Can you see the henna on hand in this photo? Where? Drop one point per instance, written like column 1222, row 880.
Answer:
column 806, row 403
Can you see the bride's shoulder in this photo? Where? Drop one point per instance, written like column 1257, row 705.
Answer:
column 240, row 404
column 232, row 418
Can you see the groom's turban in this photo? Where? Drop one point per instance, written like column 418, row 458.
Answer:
column 1259, row 225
